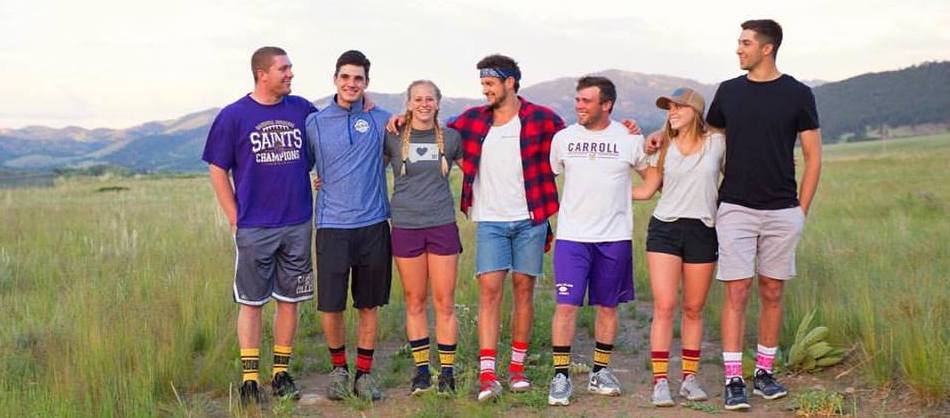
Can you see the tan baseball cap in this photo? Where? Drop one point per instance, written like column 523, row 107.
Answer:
column 683, row 96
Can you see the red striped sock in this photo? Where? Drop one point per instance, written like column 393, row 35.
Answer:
column 519, row 350
column 364, row 360
column 486, row 365
column 338, row 356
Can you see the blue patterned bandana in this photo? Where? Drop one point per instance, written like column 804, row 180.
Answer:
column 502, row 73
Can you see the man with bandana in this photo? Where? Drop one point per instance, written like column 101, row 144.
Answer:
column 508, row 189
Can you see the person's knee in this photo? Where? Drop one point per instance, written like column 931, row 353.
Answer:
column 565, row 311
column 770, row 293
column 692, row 311
column 737, row 293
column 664, row 310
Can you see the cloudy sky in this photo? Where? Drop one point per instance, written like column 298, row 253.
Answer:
column 105, row 63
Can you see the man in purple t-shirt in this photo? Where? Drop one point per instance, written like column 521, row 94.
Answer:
column 261, row 140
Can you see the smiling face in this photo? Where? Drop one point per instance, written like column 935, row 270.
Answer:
column 276, row 80
column 680, row 116
column 751, row 50
column 591, row 110
column 497, row 91
column 423, row 102
column 350, row 82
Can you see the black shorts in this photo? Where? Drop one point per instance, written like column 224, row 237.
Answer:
column 365, row 251
column 687, row 238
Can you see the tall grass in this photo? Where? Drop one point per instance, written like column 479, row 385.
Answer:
column 113, row 298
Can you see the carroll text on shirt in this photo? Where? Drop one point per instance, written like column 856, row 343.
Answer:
column 602, row 149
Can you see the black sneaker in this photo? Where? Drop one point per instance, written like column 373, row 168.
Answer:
column 735, row 395
column 421, row 383
column 283, row 386
column 446, row 384
column 250, row 393
column 765, row 385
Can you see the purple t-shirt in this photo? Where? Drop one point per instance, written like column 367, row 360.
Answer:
column 265, row 148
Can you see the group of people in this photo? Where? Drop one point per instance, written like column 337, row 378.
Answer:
column 510, row 151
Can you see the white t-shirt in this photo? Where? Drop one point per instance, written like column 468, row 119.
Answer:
column 596, row 201
column 691, row 183
column 498, row 189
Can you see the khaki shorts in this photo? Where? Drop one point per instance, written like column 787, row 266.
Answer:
column 757, row 241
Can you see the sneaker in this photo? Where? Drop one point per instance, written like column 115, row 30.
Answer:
column 339, row 386
column 446, row 384
column 560, row 391
column 735, row 395
column 690, row 389
column 604, row 383
column 765, row 385
column 283, row 386
column 661, row 394
column 250, row 393
column 489, row 390
column 366, row 387
column 422, row 382
column 518, row 382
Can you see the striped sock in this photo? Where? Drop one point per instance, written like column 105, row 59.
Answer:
column 519, row 351
column 250, row 360
column 282, row 355
column 561, row 357
column 338, row 357
column 765, row 357
column 420, row 354
column 447, row 359
column 690, row 362
column 732, row 364
column 364, row 361
column 486, row 365
column 602, row 355
column 661, row 362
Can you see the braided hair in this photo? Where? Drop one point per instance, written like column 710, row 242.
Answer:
column 407, row 130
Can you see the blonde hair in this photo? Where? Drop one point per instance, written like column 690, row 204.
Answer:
column 698, row 129
column 407, row 129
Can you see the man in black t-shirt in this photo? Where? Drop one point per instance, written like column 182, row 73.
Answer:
column 760, row 215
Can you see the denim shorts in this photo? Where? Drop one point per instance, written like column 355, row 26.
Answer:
column 517, row 246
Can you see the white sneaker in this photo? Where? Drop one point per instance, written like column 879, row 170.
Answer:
column 661, row 394
column 690, row 389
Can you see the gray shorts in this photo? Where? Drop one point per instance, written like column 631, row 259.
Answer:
column 273, row 262
column 757, row 241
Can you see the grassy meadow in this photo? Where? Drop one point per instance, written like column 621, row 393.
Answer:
column 117, row 302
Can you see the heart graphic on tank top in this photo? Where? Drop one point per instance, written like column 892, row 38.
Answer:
column 422, row 151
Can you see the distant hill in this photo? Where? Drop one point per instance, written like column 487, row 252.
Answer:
column 859, row 106
column 854, row 108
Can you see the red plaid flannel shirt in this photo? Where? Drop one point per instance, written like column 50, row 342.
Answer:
column 538, row 126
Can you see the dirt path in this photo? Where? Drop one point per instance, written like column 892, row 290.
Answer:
column 630, row 363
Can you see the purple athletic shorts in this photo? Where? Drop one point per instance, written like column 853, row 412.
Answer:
column 605, row 269
column 439, row 240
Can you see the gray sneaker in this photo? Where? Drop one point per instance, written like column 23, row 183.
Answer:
column 690, row 389
column 560, row 391
column 661, row 394
column 339, row 386
column 604, row 383
column 366, row 387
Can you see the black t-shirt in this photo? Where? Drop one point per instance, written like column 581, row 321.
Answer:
column 762, row 121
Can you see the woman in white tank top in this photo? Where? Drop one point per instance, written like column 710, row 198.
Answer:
column 681, row 239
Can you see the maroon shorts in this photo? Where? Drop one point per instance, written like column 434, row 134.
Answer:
column 440, row 240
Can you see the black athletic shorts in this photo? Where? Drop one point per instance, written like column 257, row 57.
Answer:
column 367, row 253
column 687, row 238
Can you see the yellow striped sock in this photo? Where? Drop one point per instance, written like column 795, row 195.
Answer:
column 447, row 358
column 602, row 353
column 690, row 362
column 282, row 355
column 420, row 353
column 250, row 359
column 660, row 361
column 561, row 357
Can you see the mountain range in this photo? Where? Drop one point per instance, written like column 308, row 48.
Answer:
column 855, row 108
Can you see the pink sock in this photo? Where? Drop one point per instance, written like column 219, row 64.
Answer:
column 765, row 357
column 732, row 364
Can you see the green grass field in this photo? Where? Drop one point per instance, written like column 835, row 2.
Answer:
column 117, row 303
